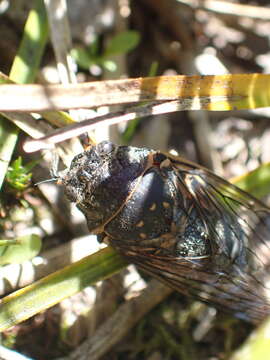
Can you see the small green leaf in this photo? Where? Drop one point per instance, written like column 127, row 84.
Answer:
column 82, row 57
column 18, row 175
column 153, row 69
column 109, row 65
column 93, row 48
column 17, row 163
column 122, row 43
column 26, row 248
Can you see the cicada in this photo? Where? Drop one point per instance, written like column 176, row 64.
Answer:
column 179, row 222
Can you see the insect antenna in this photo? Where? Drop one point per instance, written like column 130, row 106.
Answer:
column 53, row 170
column 46, row 181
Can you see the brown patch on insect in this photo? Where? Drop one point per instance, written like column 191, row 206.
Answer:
column 131, row 253
column 165, row 164
column 165, row 204
column 140, row 224
column 153, row 207
column 143, row 235
column 106, row 240
column 166, row 241
column 174, row 228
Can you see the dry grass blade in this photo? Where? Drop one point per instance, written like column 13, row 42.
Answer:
column 77, row 129
column 210, row 92
column 230, row 8
column 61, row 39
column 126, row 316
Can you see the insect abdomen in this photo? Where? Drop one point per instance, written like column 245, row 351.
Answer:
column 148, row 212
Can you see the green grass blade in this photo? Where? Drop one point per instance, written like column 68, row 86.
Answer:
column 50, row 290
column 26, row 63
column 8, row 139
column 256, row 182
column 24, row 70
column 257, row 346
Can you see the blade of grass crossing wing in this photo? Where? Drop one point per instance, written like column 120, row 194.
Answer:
column 257, row 182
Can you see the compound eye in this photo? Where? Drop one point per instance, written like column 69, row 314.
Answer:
column 105, row 148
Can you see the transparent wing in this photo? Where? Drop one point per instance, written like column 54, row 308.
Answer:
column 220, row 249
column 237, row 224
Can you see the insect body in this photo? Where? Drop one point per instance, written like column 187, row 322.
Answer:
column 177, row 221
